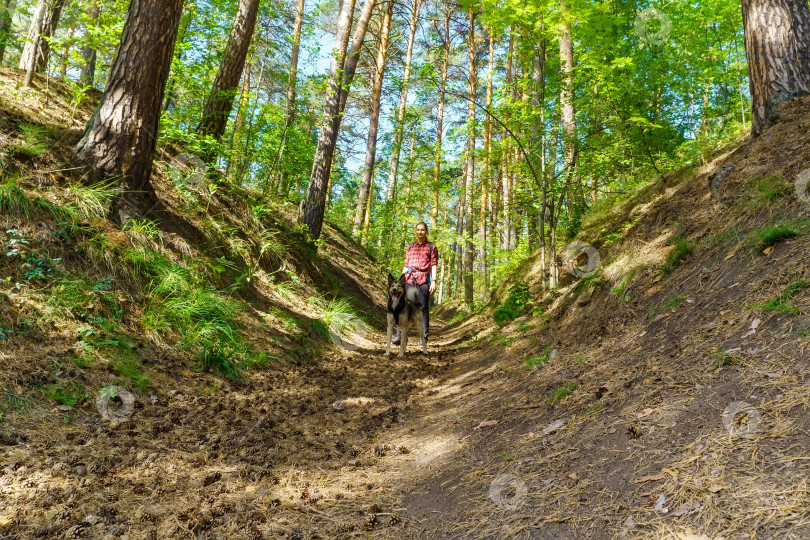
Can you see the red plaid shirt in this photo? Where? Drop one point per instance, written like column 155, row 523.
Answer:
column 420, row 258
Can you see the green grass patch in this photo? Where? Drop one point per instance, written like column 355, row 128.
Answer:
column 65, row 393
column 35, row 141
column 13, row 200
column 769, row 236
column 540, row 359
column 562, row 393
column 182, row 303
column 782, row 302
column 681, row 247
column 768, row 188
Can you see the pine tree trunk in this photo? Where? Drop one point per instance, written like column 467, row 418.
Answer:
column 470, row 159
column 486, row 177
column 315, row 200
column 120, row 139
column 777, row 44
column 237, row 149
column 37, row 49
column 6, row 13
column 63, row 62
column 437, row 164
column 220, row 101
column 569, row 125
column 282, row 184
column 88, row 74
column 403, row 101
column 367, row 217
column 374, row 120
column 31, row 49
column 336, row 104
column 506, row 190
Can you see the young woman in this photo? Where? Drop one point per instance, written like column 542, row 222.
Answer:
column 421, row 258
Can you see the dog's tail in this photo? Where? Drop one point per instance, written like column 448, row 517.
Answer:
column 412, row 294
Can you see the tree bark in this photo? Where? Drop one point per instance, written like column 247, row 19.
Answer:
column 32, row 48
column 315, row 200
column 777, row 44
column 374, row 120
column 88, row 74
column 437, row 164
column 237, row 150
column 282, row 186
column 469, row 176
column 505, row 162
column 568, row 120
column 220, row 100
column 403, row 101
column 486, row 176
column 6, row 12
column 313, row 216
column 63, row 62
column 121, row 137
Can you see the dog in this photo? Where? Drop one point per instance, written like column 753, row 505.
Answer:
column 403, row 311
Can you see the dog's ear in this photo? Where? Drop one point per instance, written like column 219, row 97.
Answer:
column 390, row 279
column 402, row 279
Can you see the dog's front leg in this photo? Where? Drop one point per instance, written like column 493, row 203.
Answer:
column 403, row 344
column 390, row 331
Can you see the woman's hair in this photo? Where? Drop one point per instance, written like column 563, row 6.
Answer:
column 427, row 230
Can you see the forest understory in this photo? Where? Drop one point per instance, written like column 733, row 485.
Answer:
column 613, row 401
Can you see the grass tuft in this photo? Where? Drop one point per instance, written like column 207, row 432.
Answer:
column 769, row 236
column 782, row 302
column 13, row 200
column 681, row 248
column 562, row 392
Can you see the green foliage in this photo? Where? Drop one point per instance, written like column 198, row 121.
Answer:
column 782, row 302
column 769, row 236
column 681, row 248
column 223, row 360
column 13, row 200
column 768, row 188
column 35, row 141
column 182, row 303
column 538, row 360
column 673, row 301
column 70, row 393
column 720, row 358
column 519, row 297
column 562, row 392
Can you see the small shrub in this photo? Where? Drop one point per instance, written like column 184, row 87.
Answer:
column 562, row 392
column 519, row 297
column 681, row 248
column 720, row 358
column 673, row 301
column 221, row 359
